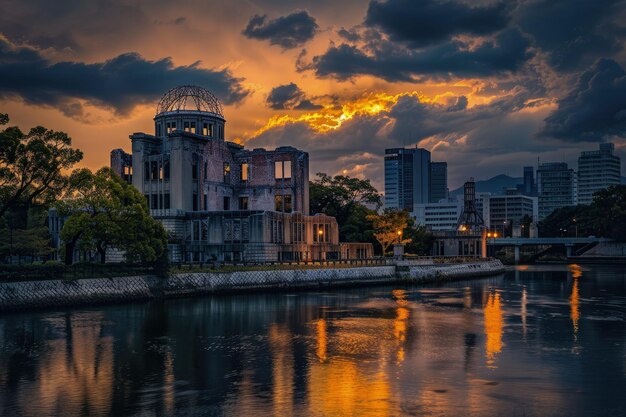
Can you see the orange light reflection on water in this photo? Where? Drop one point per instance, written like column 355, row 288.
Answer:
column 494, row 327
column 574, row 299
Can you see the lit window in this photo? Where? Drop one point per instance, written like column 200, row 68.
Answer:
column 193, row 127
column 166, row 170
column 282, row 169
column 226, row 172
column 186, row 126
column 244, row 171
column 287, row 169
column 278, row 169
column 243, row 203
column 278, row 200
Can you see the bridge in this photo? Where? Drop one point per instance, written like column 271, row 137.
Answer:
column 568, row 242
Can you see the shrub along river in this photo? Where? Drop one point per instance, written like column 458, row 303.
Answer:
column 535, row 341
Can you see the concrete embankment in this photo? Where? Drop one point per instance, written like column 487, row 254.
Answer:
column 58, row 293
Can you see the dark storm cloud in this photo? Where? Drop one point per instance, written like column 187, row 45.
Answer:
column 288, row 31
column 461, row 104
column 119, row 83
column 424, row 22
column 573, row 33
column 595, row 108
column 289, row 96
column 507, row 52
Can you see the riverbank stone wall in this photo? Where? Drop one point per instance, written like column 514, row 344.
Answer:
column 59, row 293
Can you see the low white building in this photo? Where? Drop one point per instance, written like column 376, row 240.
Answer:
column 442, row 216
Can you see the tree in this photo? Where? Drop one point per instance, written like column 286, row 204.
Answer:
column 25, row 237
column 420, row 239
column 32, row 166
column 104, row 211
column 389, row 227
column 347, row 199
column 605, row 217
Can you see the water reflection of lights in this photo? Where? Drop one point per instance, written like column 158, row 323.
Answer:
column 574, row 299
column 400, row 324
column 494, row 327
column 322, row 341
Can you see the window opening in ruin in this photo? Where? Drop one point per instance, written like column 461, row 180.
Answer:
column 282, row 170
column 227, row 172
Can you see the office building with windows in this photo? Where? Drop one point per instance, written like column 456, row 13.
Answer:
column 438, row 181
column 407, row 178
column 511, row 210
column 411, row 178
column 597, row 170
column 556, row 186
column 220, row 201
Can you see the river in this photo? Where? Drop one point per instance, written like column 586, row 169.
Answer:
column 535, row 341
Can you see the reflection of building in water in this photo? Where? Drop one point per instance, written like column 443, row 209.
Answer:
column 282, row 370
column 75, row 373
column 494, row 326
column 524, row 312
column 574, row 301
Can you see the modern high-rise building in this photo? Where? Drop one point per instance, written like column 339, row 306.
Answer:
column 556, row 185
column 438, row 181
column 407, row 178
column 529, row 186
column 597, row 170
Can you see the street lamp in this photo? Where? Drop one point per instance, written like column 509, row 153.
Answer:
column 576, row 226
column 320, row 233
column 399, row 236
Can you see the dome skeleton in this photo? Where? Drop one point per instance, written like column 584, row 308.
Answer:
column 190, row 97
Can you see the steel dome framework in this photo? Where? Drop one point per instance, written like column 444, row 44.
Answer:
column 190, row 97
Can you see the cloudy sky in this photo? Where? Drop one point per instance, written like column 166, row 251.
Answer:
column 488, row 86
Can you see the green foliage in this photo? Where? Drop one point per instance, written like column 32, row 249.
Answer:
column 25, row 235
column 420, row 239
column 347, row 199
column 104, row 211
column 32, row 165
column 605, row 217
column 389, row 227
column 48, row 270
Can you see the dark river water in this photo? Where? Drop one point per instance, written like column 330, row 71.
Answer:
column 536, row 341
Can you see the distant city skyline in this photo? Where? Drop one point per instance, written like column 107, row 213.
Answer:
column 488, row 88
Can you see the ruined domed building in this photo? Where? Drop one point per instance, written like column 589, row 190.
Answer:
column 220, row 201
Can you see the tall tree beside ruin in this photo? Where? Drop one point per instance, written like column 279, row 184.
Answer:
column 102, row 212
column 32, row 165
